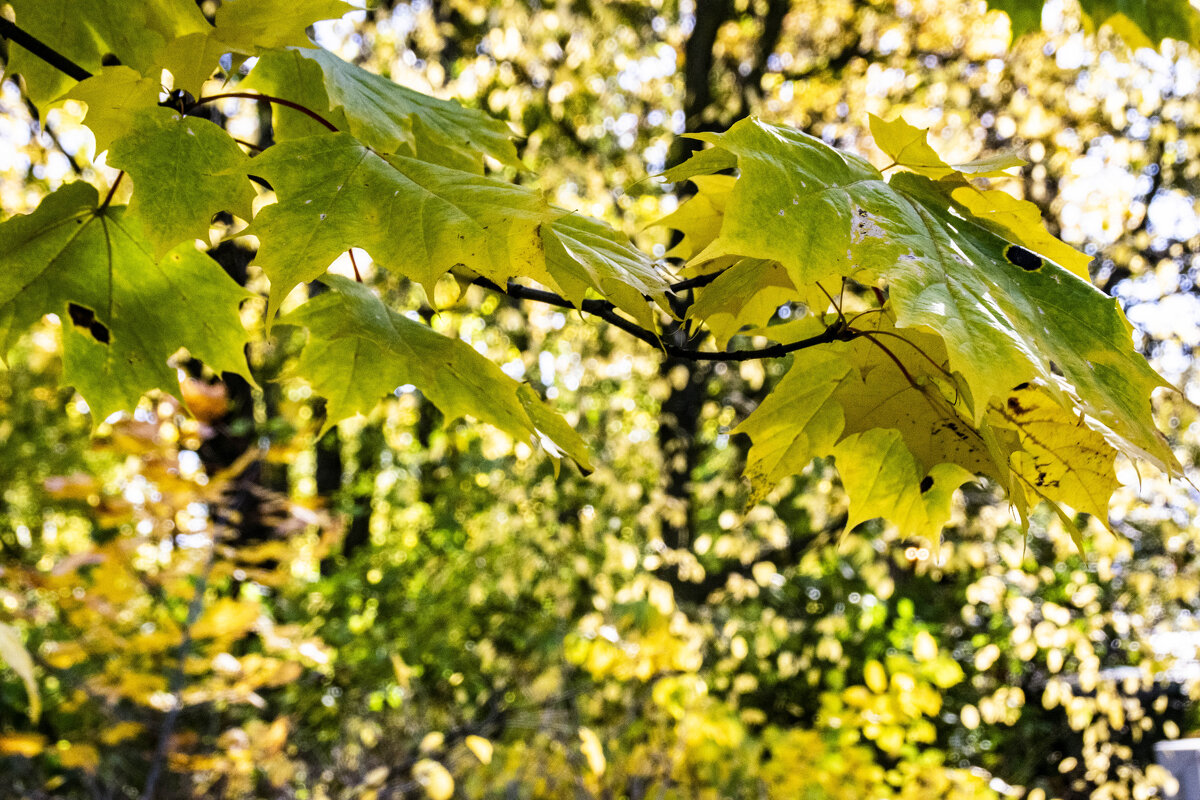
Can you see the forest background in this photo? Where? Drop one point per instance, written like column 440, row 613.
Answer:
column 407, row 607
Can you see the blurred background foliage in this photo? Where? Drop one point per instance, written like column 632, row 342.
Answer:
column 406, row 608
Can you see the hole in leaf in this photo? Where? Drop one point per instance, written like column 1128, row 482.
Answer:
column 926, row 484
column 1023, row 258
column 85, row 318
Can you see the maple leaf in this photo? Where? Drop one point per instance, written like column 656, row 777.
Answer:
column 359, row 351
column 698, row 219
column 746, row 294
column 113, row 97
column 1008, row 315
column 582, row 253
column 421, row 219
column 383, row 115
column 124, row 312
column 185, row 170
column 87, row 30
column 415, row 218
column 883, row 479
column 1060, row 458
column 246, row 28
column 909, row 147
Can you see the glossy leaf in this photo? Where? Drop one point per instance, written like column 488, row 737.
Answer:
column 582, row 253
column 414, row 218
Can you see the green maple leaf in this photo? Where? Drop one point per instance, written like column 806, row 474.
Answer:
column 793, row 202
column 747, row 294
column 185, row 170
column 245, row 27
column 359, row 351
column 113, row 97
column 420, row 220
column 383, row 115
column 1007, row 314
column 582, row 253
column 87, row 30
column 124, row 312
column 414, row 218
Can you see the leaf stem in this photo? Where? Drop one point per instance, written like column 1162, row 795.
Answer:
column 112, row 190
column 45, row 52
column 353, row 263
column 266, row 98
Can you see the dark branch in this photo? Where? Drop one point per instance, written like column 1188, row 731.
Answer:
column 697, row 282
column 607, row 312
column 45, row 52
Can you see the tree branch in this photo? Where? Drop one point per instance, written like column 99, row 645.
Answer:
column 45, row 52
column 607, row 312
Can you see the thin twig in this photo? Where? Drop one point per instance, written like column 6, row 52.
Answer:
column 266, row 98
column 353, row 263
column 45, row 52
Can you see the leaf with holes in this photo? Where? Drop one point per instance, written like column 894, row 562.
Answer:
column 1007, row 314
column 124, row 312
